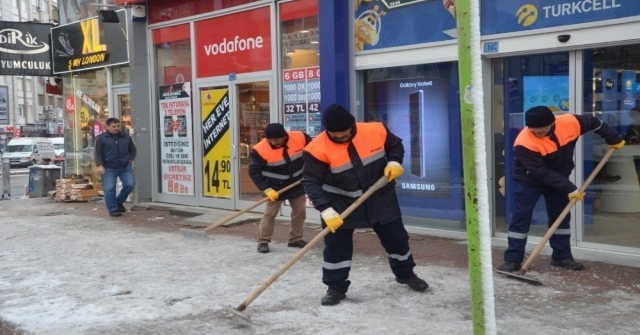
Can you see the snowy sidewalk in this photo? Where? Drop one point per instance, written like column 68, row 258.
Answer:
column 73, row 273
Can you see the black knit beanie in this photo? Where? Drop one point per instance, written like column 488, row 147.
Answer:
column 538, row 117
column 337, row 118
column 275, row 130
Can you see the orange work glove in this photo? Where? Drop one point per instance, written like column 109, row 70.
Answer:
column 332, row 219
column 576, row 195
column 393, row 170
column 271, row 194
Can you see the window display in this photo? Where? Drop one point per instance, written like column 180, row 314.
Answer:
column 419, row 104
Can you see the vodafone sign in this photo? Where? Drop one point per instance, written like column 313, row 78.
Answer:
column 243, row 45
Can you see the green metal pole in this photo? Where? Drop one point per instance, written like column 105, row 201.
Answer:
column 466, row 53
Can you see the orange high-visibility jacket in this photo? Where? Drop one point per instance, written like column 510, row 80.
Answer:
column 277, row 168
column 548, row 161
column 336, row 174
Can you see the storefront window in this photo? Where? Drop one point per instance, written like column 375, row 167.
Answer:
column 86, row 111
column 120, row 74
column 420, row 104
column 612, row 93
column 519, row 84
column 172, row 47
column 165, row 10
column 300, row 65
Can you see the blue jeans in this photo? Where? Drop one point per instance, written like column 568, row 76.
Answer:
column 109, row 186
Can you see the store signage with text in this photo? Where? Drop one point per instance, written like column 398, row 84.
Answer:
column 244, row 47
column 301, row 89
column 89, row 44
column 216, row 134
column 4, row 104
column 176, row 140
column 24, row 48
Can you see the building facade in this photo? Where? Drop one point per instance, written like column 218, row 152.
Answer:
column 220, row 71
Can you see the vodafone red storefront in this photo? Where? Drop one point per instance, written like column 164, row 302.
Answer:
column 219, row 81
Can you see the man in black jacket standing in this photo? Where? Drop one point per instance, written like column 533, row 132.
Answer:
column 114, row 155
column 276, row 162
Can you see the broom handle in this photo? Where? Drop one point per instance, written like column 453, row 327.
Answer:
column 256, row 204
column 564, row 213
column 379, row 184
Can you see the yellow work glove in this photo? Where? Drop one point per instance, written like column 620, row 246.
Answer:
column 576, row 195
column 393, row 170
column 617, row 146
column 271, row 194
column 332, row 219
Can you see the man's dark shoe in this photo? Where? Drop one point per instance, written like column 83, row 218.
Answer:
column 509, row 266
column 332, row 298
column 115, row 214
column 263, row 247
column 414, row 283
column 121, row 208
column 568, row 264
column 297, row 244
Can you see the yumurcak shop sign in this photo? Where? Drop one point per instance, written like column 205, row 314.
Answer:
column 25, row 49
column 245, row 47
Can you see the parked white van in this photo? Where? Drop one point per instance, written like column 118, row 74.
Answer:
column 58, row 145
column 28, row 151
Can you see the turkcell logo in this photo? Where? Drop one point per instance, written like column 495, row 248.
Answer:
column 578, row 7
column 491, row 47
column 527, row 15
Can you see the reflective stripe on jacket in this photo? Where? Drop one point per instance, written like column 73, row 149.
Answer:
column 548, row 160
column 336, row 174
column 277, row 168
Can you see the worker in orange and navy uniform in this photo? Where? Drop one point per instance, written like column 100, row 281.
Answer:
column 339, row 166
column 276, row 162
column 542, row 165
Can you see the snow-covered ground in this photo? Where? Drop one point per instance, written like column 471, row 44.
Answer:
column 70, row 275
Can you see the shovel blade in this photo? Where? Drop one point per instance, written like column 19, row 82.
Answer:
column 521, row 277
column 239, row 314
column 196, row 235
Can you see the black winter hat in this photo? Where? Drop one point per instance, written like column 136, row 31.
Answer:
column 337, row 118
column 538, row 117
column 274, row 130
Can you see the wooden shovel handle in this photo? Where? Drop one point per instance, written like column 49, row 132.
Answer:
column 379, row 184
column 567, row 209
column 256, row 204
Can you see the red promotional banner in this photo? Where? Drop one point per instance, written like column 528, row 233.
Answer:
column 243, row 46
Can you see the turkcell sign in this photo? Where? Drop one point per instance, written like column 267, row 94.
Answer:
column 500, row 16
column 25, row 49
column 244, row 47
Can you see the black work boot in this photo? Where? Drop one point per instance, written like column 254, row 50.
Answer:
column 509, row 266
column 297, row 244
column 568, row 264
column 333, row 297
column 263, row 247
column 414, row 283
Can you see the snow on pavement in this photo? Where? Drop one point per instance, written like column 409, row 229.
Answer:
column 70, row 275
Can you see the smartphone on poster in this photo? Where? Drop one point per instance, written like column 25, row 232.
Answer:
column 417, row 140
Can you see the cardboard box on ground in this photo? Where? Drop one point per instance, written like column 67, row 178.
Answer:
column 80, row 189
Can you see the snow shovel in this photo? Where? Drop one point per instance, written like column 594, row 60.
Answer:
column 525, row 267
column 201, row 235
column 238, row 311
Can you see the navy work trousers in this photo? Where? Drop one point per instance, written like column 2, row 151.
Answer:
column 526, row 197
column 338, row 251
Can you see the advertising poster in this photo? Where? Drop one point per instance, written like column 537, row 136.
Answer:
column 216, row 162
column 176, row 139
column 609, row 89
column 4, row 104
column 550, row 91
column 629, row 87
column 417, row 111
column 499, row 16
column 301, row 89
column 393, row 23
